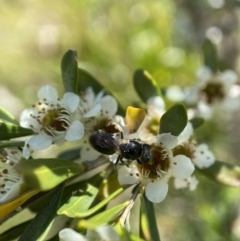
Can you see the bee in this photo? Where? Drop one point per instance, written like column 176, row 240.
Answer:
column 132, row 149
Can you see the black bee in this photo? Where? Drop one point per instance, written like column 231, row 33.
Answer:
column 132, row 149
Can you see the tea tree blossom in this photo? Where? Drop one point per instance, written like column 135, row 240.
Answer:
column 96, row 112
column 10, row 179
column 200, row 155
column 214, row 93
column 52, row 119
column 155, row 174
column 106, row 233
column 155, row 109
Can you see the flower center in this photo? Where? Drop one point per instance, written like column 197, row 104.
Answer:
column 55, row 120
column 186, row 149
column 153, row 125
column 213, row 91
column 158, row 165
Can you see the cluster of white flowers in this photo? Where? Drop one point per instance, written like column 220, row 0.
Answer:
column 56, row 120
column 172, row 157
column 74, row 117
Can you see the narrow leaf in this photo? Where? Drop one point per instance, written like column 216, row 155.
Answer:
column 11, row 205
column 12, row 144
column 69, row 69
column 224, row 173
column 9, row 130
column 174, row 120
column 148, row 225
column 145, row 85
column 86, row 80
column 70, row 155
column 101, row 204
column 43, row 218
column 38, row 172
column 15, row 232
column 82, row 198
column 134, row 118
column 197, row 122
column 210, row 55
column 5, row 115
column 103, row 218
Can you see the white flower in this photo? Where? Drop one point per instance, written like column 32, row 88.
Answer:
column 10, row 180
column 150, row 125
column 52, row 119
column 97, row 113
column 203, row 157
column 106, row 233
column 154, row 175
column 214, row 93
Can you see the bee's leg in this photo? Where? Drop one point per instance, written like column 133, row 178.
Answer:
column 119, row 159
column 121, row 133
column 139, row 162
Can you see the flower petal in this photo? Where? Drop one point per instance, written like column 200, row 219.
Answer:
column 40, row 142
column 185, row 134
column 181, row 166
column 27, row 121
column 87, row 153
column 203, row 157
column 48, row 92
column 71, row 101
column 167, row 140
column 156, row 105
column 93, row 111
column 68, row 234
column 128, row 175
column 13, row 192
column 106, row 233
column 109, row 105
column 228, row 77
column 75, row 131
column 156, row 191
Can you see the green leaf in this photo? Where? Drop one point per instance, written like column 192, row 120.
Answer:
column 70, row 155
column 5, row 115
column 43, row 218
column 224, row 173
column 197, row 122
column 9, row 130
column 69, row 69
column 15, row 232
column 86, row 80
column 148, row 225
column 83, row 197
column 104, row 217
column 210, row 55
column 174, row 120
column 77, row 206
column 39, row 172
column 145, row 85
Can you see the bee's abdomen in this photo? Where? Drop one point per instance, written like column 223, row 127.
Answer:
column 104, row 143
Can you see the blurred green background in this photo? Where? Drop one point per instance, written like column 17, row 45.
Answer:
column 113, row 38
